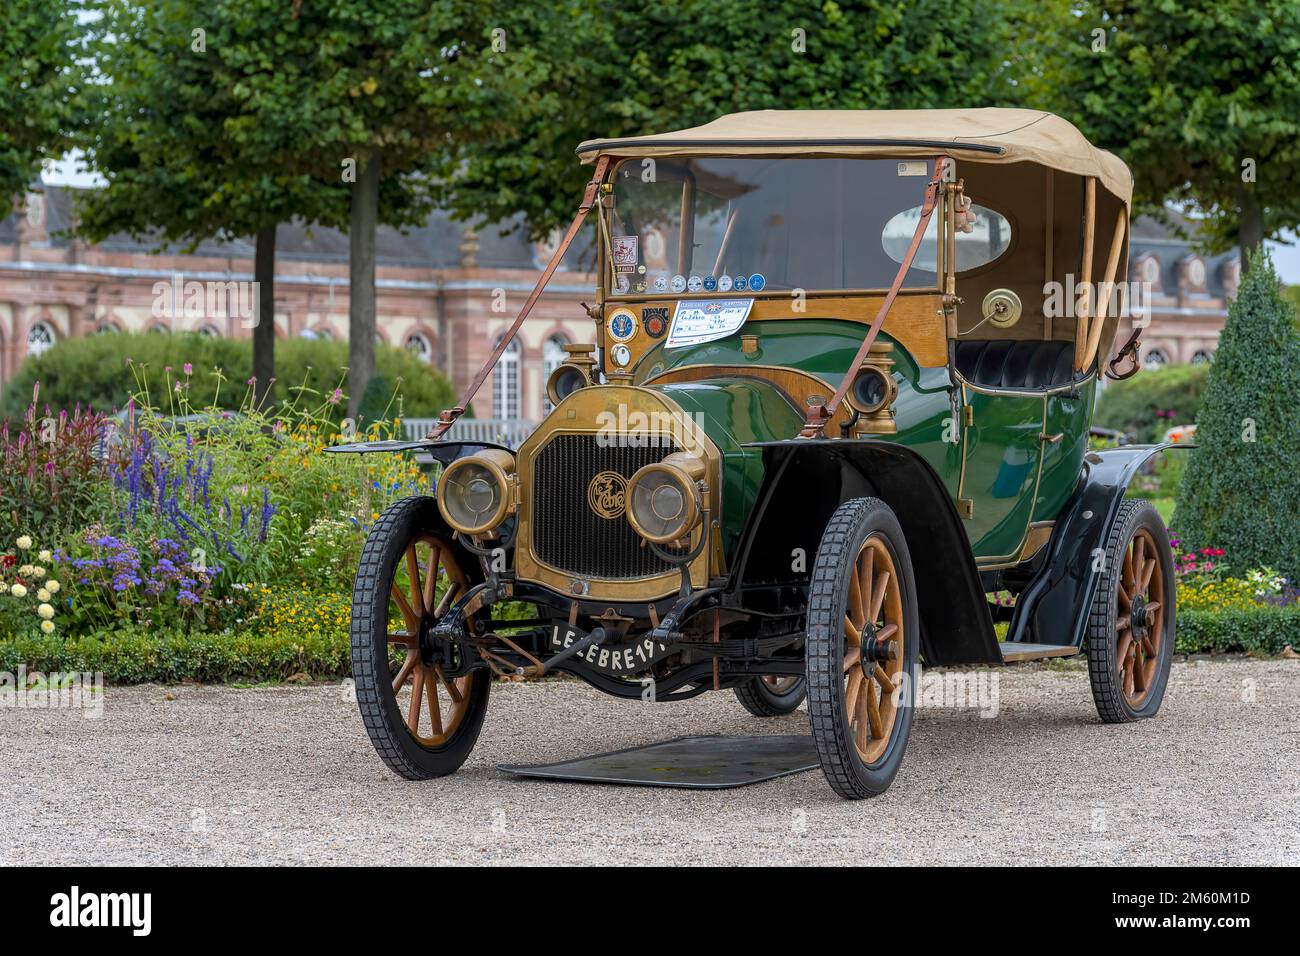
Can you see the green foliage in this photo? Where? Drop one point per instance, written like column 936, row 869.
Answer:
column 1153, row 401
column 39, row 75
column 94, row 371
column 627, row 69
column 133, row 655
column 1241, row 488
column 1186, row 91
column 1265, row 629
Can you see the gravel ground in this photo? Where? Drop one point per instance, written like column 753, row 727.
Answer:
column 219, row 775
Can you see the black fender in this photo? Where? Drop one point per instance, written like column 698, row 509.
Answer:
column 805, row 480
column 443, row 452
column 1053, row 608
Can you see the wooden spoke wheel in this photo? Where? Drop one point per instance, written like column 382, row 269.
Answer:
column 1130, row 630
column 773, row 695
column 863, row 641
column 422, row 722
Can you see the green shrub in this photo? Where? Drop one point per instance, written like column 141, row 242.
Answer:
column 1142, row 405
column 1241, row 487
column 94, row 371
column 1265, row 629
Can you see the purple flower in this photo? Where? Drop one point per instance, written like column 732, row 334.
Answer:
column 336, row 396
column 189, row 369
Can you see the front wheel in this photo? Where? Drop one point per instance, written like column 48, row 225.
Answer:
column 862, row 649
column 422, row 722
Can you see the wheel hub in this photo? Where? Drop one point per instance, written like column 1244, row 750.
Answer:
column 1139, row 615
column 875, row 650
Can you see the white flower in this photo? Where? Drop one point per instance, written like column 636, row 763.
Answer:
column 47, row 627
column 18, row 591
column 52, row 586
column 24, row 542
column 45, row 611
column 38, row 571
column 4, row 588
column 45, row 556
column 42, row 595
column 25, row 571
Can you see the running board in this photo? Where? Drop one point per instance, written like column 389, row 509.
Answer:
column 1013, row 652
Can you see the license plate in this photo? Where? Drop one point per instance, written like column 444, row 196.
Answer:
column 629, row 657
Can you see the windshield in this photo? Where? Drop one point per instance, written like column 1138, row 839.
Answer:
column 749, row 225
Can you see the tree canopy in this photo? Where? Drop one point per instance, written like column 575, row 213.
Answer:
column 1200, row 97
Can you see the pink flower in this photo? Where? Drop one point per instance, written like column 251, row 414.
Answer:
column 189, row 369
column 252, row 380
column 336, row 397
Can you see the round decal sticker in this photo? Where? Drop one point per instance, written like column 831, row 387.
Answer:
column 756, row 282
column 739, row 283
column 694, row 284
column 679, row 283
column 622, row 325
column 655, row 321
column 661, row 283
column 710, row 283
column 724, row 283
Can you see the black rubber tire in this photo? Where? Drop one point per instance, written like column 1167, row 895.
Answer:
column 761, row 701
column 1103, row 639
column 849, row 527
column 383, row 720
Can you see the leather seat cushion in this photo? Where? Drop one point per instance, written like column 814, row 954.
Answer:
column 1004, row 363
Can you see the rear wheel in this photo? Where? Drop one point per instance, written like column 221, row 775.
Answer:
column 1131, row 627
column 863, row 642
column 772, row 696
column 422, row 723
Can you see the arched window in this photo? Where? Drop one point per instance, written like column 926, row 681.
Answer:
column 159, row 329
column 420, row 347
column 1156, row 358
column 108, row 328
column 40, row 338
column 209, row 332
column 505, row 383
column 322, row 335
column 553, row 355
column 1202, row 357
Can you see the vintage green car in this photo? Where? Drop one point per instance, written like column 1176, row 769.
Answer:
column 838, row 396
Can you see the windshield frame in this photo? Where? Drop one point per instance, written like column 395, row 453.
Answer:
column 607, row 270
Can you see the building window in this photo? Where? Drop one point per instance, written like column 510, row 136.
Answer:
column 505, row 383
column 1202, row 357
column 108, row 328
column 159, row 329
column 318, row 335
column 1156, row 358
column 420, row 347
column 553, row 355
column 209, row 332
column 40, row 339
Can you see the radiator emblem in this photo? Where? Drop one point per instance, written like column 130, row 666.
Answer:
column 607, row 494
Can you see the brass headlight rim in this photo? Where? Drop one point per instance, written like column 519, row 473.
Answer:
column 560, row 369
column 890, row 390
column 690, row 494
column 503, row 481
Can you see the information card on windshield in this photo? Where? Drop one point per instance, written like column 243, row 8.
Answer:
column 696, row 321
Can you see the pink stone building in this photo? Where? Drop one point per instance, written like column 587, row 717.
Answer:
column 445, row 291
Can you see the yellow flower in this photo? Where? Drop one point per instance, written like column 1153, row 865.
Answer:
column 47, row 627
column 43, row 595
column 52, row 586
column 45, row 556
column 45, row 611
column 19, row 591
column 24, row 542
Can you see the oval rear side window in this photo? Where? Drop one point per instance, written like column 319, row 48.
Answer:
column 989, row 237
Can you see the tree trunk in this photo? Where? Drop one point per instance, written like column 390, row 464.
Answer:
column 264, row 329
column 1250, row 225
column 361, row 278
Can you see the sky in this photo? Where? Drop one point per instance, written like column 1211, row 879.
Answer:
column 69, row 172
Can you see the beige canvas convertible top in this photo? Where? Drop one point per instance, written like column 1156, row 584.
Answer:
column 975, row 135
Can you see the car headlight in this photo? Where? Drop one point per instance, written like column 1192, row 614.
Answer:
column 474, row 492
column 663, row 503
column 566, row 380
